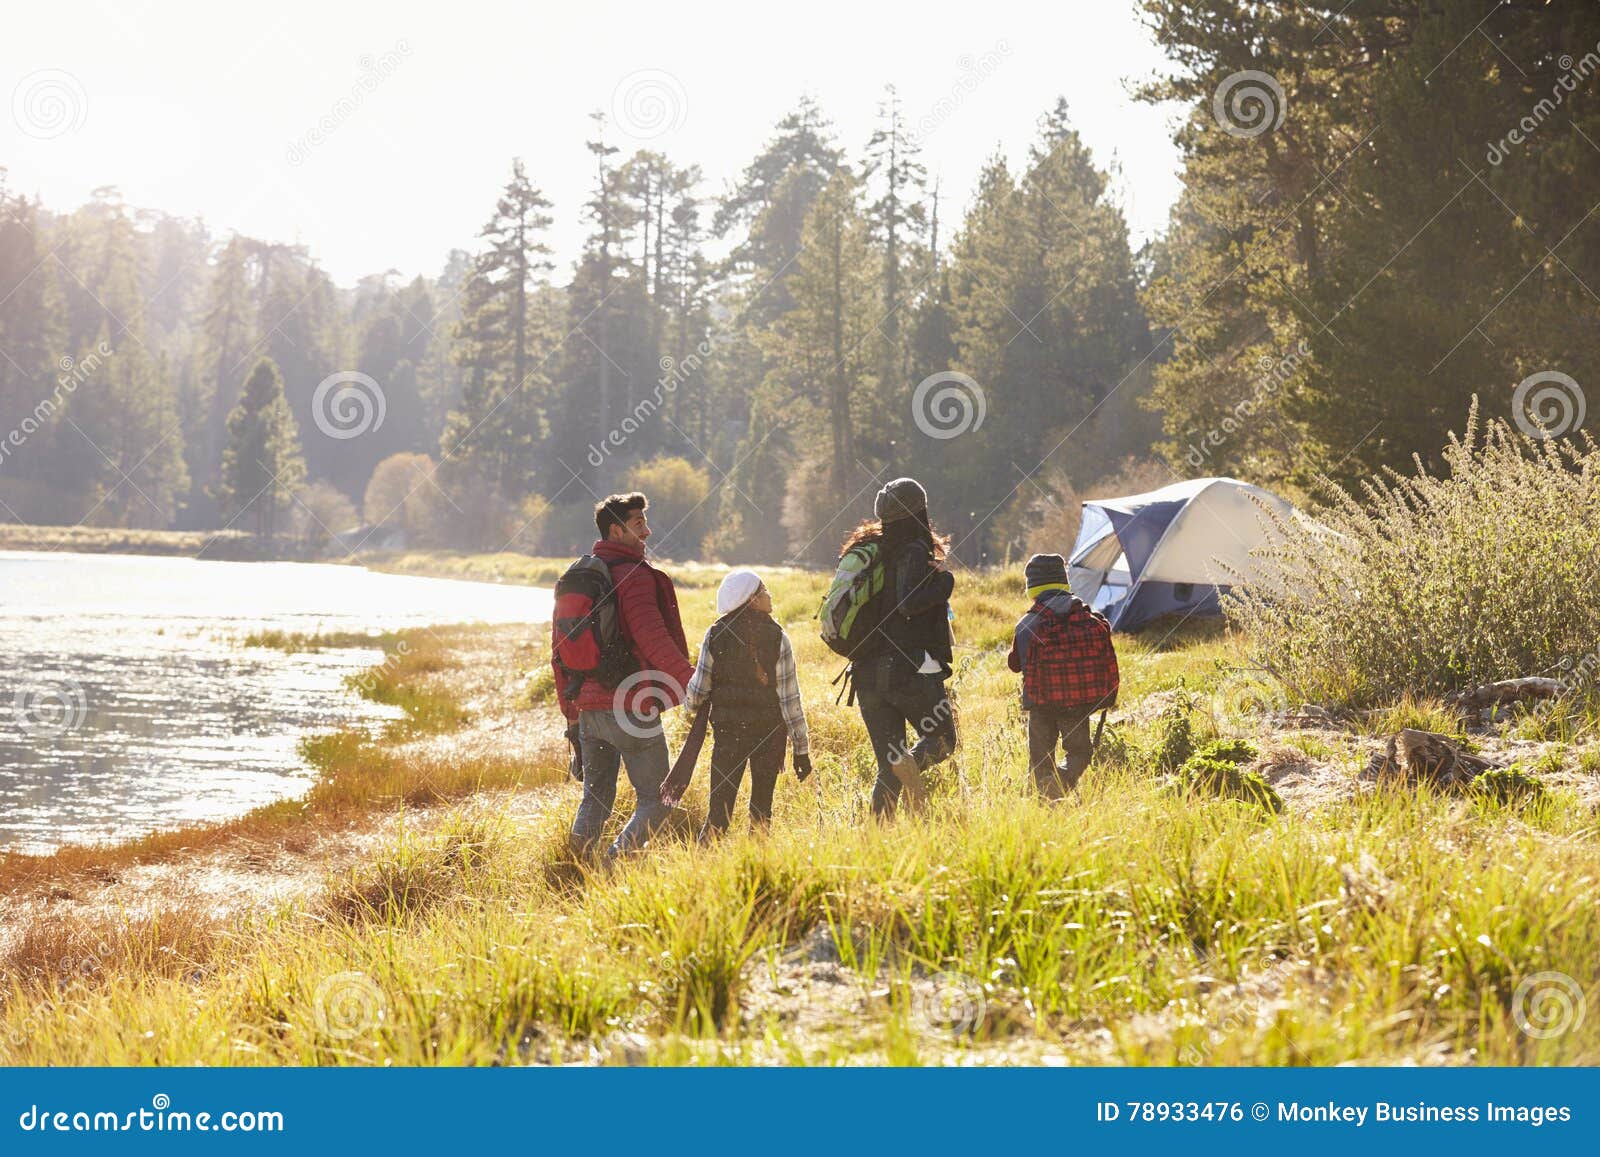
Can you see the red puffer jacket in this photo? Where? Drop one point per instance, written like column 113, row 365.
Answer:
column 653, row 629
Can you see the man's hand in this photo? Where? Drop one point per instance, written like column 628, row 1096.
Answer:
column 802, row 766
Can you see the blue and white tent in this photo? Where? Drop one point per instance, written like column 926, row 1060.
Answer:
column 1171, row 551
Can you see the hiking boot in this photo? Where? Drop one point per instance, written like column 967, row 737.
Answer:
column 912, row 786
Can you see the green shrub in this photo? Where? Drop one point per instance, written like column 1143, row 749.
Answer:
column 1229, row 750
column 1175, row 734
column 679, row 512
column 1429, row 584
column 1508, row 785
column 1206, row 776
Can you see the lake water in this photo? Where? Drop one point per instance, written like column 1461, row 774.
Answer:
column 127, row 703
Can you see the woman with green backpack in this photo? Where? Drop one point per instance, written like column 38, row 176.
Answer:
column 888, row 611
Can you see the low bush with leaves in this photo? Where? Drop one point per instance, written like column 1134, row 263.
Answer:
column 1205, row 775
column 1175, row 734
column 1508, row 785
column 1230, row 750
column 1485, row 569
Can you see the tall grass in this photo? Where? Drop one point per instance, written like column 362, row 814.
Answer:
column 1429, row 584
column 1119, row 930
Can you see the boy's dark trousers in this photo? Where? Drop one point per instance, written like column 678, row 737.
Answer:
column 760, row 745
column 1071, row 726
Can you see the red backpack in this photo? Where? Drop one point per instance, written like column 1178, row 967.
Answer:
column 1071, row 662
column 587, row 627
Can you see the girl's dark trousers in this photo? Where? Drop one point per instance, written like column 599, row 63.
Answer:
column 761, row 746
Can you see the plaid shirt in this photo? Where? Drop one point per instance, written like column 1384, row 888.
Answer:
column 1072, row 668
column 794, row 715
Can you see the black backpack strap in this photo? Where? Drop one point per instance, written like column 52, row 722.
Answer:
column 1094, row 744
column 849, row 685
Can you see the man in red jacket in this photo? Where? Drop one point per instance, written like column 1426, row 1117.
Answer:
column 621, row 725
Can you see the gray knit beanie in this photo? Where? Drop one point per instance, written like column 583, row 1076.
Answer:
column 902, row 498
column 1044, row 570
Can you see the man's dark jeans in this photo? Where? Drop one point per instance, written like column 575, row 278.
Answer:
column 894, row 697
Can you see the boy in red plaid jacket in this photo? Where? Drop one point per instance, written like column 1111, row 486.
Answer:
column 1069, row 672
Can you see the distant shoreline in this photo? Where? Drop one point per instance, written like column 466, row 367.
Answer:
column 226, row 544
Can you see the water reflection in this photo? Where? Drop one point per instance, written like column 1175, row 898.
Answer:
column 127, row 704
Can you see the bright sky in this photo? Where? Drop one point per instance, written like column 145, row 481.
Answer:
column 196, row 109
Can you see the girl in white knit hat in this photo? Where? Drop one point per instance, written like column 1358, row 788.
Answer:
column 746, row 677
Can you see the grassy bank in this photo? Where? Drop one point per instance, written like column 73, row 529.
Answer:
column 1139, row 923
column 223, row 544
column 358, row 773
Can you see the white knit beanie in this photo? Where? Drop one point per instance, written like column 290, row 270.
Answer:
column 736, row 590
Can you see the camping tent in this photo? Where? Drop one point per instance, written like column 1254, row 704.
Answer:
column 1173, row 550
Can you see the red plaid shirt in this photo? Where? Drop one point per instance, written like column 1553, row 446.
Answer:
column 1065, row 654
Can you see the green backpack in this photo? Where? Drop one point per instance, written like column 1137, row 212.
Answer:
column 851, row 610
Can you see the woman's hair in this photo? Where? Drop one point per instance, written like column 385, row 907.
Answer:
column 899, row 531
column 867, row 530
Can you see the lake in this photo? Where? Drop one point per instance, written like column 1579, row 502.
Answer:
column 127, row 703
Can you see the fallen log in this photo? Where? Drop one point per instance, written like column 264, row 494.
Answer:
column 1414, row 757
column 1507, row 691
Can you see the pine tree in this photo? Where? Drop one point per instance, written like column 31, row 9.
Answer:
column 605, row 210
column 1046, row 323
column 498, row 426
column 821, row 351
column 125, row 456
column 439, row 373
column 262, row 466
column 33, row 336
column 688, row 296
column 226, row 335
column 897, row 218
column 771, row 203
